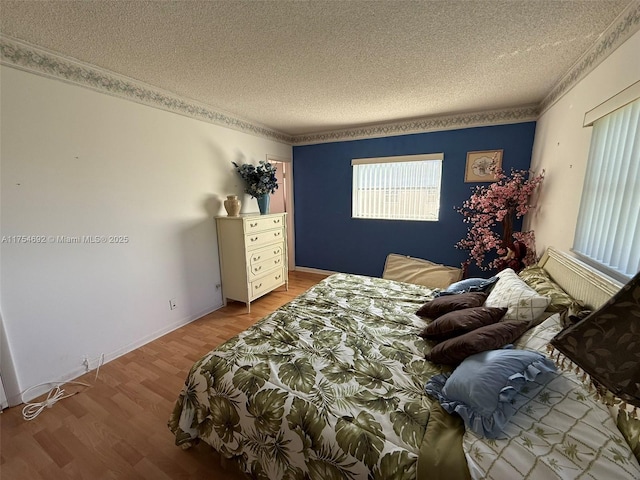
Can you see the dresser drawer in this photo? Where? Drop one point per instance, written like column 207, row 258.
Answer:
column 257, row 224
column 260, row 268
column 263, row 254
column 263, row 238
column 267, row 283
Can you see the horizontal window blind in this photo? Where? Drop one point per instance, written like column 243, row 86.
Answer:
column 608, row 228
column 397, row 188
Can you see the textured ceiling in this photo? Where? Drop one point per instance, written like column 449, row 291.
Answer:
column 306, row 67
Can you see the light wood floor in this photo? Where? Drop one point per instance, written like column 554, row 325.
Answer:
column 117, row 429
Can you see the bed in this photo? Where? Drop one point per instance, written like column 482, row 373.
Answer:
column 332, row 385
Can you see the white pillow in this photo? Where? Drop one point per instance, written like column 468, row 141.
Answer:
column 539, row 337
column 523, row 303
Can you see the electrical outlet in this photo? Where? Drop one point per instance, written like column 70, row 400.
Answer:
column 172, row 304
column 90, row 364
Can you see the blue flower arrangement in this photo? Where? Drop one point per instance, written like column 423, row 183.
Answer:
column 260, row 180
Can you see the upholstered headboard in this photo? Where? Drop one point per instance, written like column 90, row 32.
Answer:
column 578, row 279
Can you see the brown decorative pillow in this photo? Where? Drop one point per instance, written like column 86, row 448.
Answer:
column 458, row 322
column 441, row 305
column 489, row 337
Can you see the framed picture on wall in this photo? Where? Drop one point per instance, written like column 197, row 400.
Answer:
column 480, row 165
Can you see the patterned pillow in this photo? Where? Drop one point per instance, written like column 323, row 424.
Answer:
column 539, row 337
column 538, row 279
column 605, row 344
column 524, row 304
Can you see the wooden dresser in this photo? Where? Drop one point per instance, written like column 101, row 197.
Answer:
column 253, row 255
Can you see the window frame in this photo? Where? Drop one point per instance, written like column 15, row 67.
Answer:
column 386, row 190
column 615, row 145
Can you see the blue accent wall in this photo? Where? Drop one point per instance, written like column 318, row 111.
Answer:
column 328, row 238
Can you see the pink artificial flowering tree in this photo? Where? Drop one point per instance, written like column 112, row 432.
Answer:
column 500, row 202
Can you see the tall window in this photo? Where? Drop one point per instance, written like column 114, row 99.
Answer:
column 397, row 188
column 608, row 229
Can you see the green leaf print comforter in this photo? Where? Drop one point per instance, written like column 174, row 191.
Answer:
column 329, row 386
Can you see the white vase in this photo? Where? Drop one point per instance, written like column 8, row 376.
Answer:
column 232, row 205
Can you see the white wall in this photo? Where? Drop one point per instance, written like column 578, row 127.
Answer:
column 561, row 145
column 8, row 372
column 77, row 162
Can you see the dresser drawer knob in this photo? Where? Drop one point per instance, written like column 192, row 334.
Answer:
column 276, row 234
column 254, row 239
column 278, row 277
column 257, row 286
column 276, row 220
column 277, row 261
column 257, row 269
column 252, row 225
column 255, row 259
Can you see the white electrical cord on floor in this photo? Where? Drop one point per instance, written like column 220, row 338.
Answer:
column 32, row 410
column 100, row 363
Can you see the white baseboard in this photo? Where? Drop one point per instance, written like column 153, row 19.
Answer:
column 78, row 372
column 314, row 270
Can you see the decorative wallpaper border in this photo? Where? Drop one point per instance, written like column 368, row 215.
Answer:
column 428, row 124
column 24, row 56
column 37, row 60
column 628, row 23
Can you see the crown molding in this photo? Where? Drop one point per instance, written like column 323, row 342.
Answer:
column 426, row 124
column 24, row 56
column 620, row 30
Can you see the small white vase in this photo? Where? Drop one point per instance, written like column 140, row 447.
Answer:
column 232, row 205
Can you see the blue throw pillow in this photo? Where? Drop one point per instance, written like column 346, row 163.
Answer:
column 483, row 386
column 471, row 285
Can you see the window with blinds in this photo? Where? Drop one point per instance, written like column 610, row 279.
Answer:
column 608, row 229
column 397, row 188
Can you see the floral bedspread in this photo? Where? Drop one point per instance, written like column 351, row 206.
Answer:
column 330, row 385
